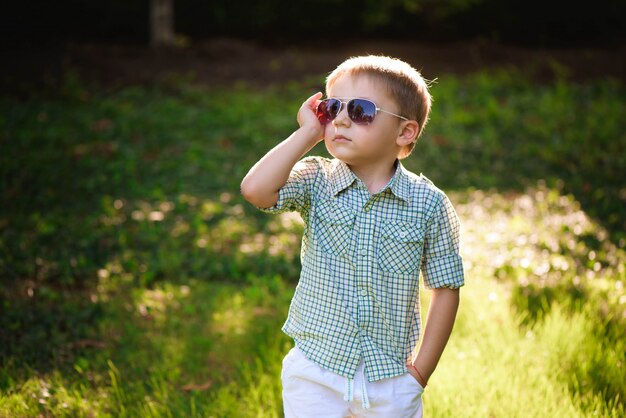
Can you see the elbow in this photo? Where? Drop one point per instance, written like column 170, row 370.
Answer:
column 247, row 190
column 255, row 195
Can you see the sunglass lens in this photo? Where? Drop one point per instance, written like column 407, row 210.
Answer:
column 328, row 110
column 361, row 111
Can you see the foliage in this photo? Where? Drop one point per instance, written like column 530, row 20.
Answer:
column 136, row 281
column 323, row 20
column 412, row 19
column 501, row 130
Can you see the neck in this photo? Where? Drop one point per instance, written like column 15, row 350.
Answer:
column 375, row 176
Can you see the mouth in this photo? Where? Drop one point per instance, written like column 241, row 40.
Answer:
column 341, row 138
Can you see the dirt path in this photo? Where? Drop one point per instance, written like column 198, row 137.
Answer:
column 224, row 61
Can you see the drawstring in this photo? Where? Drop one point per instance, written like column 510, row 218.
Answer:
column 349, row 395
column 366, row 401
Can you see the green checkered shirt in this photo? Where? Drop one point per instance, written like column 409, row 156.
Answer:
column 358, row 294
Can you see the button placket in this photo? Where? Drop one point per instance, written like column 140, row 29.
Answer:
column 364, row 269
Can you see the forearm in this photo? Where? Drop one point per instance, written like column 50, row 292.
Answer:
column 262, row 183
column 439, row 323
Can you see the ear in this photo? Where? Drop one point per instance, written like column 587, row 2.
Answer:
column 407, row 134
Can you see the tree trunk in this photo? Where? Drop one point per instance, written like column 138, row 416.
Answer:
column 161, row 23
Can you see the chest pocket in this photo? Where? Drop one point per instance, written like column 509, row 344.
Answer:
column 399, row 247
column 334, row 230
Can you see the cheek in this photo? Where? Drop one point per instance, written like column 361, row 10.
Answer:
column 329, row 131
column 328, row 142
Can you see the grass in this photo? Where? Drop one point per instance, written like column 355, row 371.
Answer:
column 136, row 281
column 166, row 349
column 516, row 362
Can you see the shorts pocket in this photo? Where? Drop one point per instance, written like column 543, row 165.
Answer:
column 290, row 362
column 289, row 357
column 399, row 248
column 414, row 383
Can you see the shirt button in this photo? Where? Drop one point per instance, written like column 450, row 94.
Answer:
column 363, row 252
column 403, row 234
column 363, row 292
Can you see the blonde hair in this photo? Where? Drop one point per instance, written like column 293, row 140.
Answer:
column 402, row 82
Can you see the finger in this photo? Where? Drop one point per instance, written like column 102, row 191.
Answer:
column 312, row 101
column 316, row 96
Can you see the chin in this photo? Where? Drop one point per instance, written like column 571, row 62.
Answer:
column 337, row 153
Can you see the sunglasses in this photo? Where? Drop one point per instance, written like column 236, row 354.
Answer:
column 360, row 111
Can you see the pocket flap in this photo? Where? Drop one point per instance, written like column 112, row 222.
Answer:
column 403, row 231
column 335, row 215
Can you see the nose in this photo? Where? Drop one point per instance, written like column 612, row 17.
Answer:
column 342, row 118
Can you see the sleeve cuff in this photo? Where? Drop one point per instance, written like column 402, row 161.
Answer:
column 278, row 207
column 444, row 272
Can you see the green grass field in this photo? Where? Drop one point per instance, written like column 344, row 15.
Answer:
column 136, row 282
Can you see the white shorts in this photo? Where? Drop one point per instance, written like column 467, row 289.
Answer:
column 311, row 391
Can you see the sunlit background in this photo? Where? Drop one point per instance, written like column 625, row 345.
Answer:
column 136, row 281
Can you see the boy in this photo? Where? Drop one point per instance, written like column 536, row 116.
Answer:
column 371, row 226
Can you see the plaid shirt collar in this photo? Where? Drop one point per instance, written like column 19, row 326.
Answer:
column 342, row 177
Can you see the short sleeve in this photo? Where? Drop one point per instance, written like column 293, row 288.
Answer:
column 442, row 265
column 295, row 195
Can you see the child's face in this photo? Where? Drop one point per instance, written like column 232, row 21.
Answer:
column 362, row 144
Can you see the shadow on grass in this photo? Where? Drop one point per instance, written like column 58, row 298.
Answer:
column 183, row 349
column 42, row 331
column 44, row 325
column 589, row 287
column 597, row 366
column 182, row 345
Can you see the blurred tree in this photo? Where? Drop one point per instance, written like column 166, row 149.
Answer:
column 382, row 13
column 528, row 22
column 161, row 23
